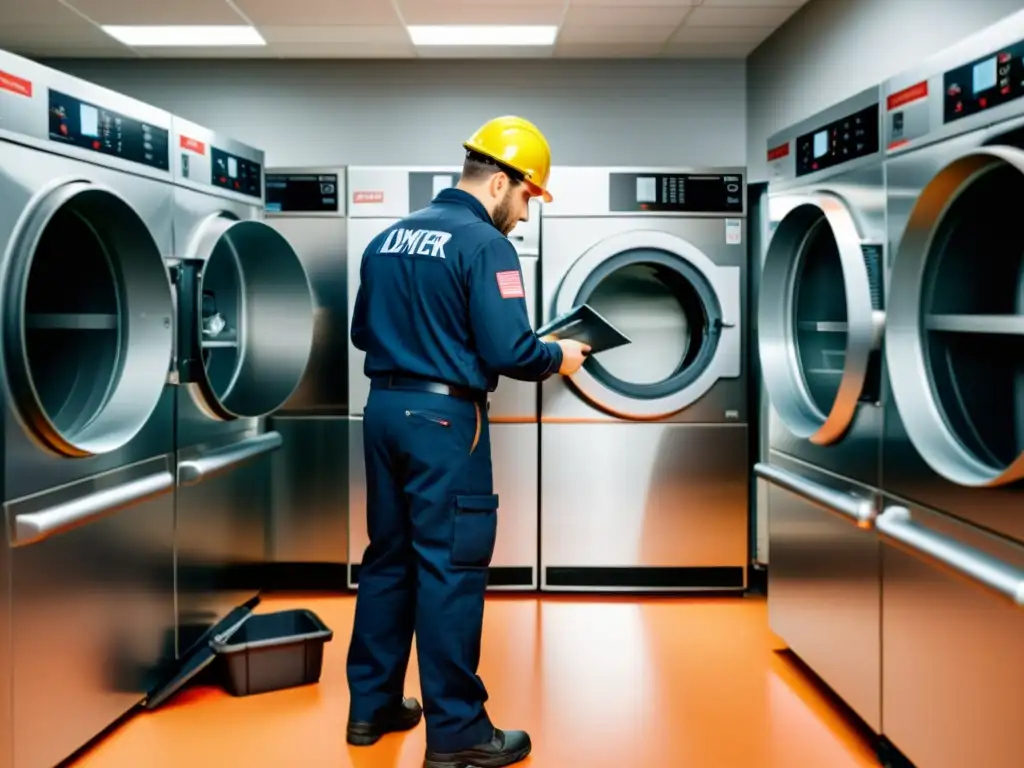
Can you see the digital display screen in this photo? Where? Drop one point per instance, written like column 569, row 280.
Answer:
column 98, row 129
column 236, row 173
column 676, row 192
column 989, row 82
column 841, row 141
column 301, row 193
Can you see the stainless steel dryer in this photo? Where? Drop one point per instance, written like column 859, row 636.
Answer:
column 380, row 196
column 245, row 330
column 87, row 564
column 644, row 451
column 308, row 536
column 820, row 323
column 953, row 456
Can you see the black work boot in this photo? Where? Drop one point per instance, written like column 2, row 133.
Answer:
column 403, row 717
column 504, row 748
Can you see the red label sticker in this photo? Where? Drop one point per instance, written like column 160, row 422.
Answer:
column 907, row 95
column 15, row 84
column 367, row 197
column 899, row 143
column 192, row 145
column 510, row 285
column 779, row 152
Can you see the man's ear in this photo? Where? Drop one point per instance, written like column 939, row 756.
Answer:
column 498, row 183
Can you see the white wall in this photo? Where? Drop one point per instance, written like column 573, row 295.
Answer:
column 831, row 49
column 419, row 112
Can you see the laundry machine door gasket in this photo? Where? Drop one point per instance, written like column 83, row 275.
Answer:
column 87, row 322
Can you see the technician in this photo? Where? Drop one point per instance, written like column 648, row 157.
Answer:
column 441, row 313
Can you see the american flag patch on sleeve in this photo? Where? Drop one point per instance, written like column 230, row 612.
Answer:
column 510, row 285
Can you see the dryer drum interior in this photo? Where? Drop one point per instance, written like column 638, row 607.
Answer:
column 670, row 312
column 88, row 321
column 253, row 319
column 973, row 309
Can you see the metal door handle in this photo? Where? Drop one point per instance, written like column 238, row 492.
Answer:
column 861, row 511
column 36, row 526
column 196, row 470
column 897, row 523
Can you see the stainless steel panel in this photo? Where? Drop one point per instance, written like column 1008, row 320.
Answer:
column 220, row 534
column 952, row 669
column 644, row 495
column 515, row 466
column 6, row 724
column 192, row 160
column 516, row 400
column 824, row 589
column 782, row 165
column 93, row 617
column 725, row 398
column 24, row 104
column 514, row 461
column 321, row 246
column 309, row 484
column 382, row 192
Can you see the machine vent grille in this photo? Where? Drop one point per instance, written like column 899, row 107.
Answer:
column 873, row 264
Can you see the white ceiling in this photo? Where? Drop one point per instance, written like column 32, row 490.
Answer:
column 316, row 29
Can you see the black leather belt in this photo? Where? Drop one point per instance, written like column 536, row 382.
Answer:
column 434, row 387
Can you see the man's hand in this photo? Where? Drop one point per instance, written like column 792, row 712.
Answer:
column 574, row 354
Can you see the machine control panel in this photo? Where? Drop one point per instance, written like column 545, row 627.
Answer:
column 98, row 129
column 984, row 83
column 675, row 193
column 848, row 138
column 424, row 186
column 236, row 173
column 301, row 193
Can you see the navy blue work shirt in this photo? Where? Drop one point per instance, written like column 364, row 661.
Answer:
column 441, row 297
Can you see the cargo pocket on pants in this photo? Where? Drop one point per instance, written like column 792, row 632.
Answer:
column 475, row 530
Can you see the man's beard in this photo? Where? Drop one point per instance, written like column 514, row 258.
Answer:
column 502, row 216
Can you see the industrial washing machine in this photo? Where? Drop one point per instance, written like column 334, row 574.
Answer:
column 644, row 451
column 379, row 197
column 820, row 325
column 245, row 331
column 953, row 523
column 87, row 619
column 308, row 536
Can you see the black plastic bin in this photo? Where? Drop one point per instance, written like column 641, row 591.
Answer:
column 258, row 653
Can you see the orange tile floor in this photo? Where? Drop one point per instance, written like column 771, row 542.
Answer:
column 598, row 683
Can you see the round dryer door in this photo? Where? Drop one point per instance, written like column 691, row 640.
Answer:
column 252, row 319
column 681, row 310
column 955, row 328
column 820, row 316
column 88, row 308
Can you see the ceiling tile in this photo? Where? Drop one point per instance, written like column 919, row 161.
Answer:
column 754, row 3
column 332, row 35
column 316, row 12
column 632, row 3
column 738, row 17
column 157, row 11
column 37, row 12
column 607, row 51
column 572, row 34
column 344, row 50
column 622, row 15
column 83, row 35
column 688, row 34
column 199, row 52
column 432, row 12
column 708, row 50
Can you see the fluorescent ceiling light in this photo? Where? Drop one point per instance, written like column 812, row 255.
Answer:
column 483, row 35
column 185, row 37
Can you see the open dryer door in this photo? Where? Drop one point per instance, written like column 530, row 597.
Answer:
column 681, row 310
column 820, row 316
column 246, row 315
column 88, row 310
column 955, row 336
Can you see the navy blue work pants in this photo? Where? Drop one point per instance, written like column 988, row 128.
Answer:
column 432, row 520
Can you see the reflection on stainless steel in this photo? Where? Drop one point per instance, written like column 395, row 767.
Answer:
column 93, row 619
column 309, row 485
column 945, row 384
column 823, row 584
column 88, row 374
column 226, row 457
column 952, row 665
column 6, row 658
column 513, row 406
column 643, row 495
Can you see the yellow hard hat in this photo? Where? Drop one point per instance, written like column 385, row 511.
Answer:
column 518, row 144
